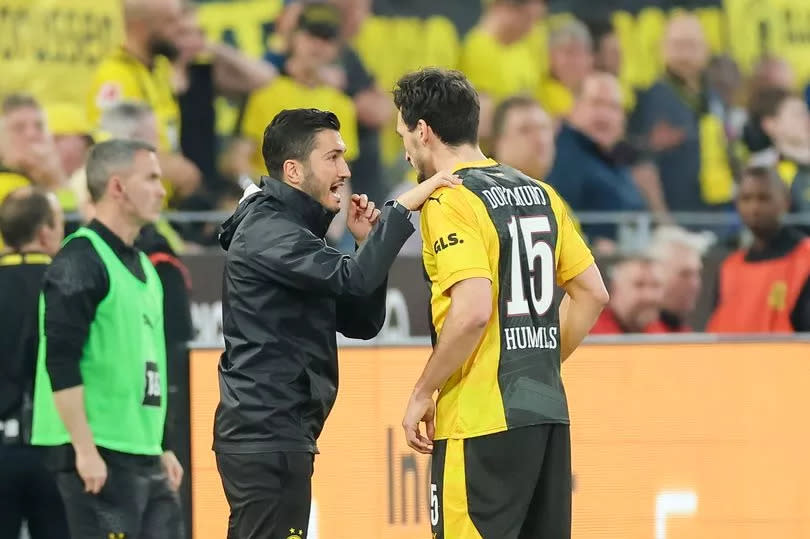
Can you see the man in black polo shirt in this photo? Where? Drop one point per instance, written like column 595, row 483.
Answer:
column 32, row 227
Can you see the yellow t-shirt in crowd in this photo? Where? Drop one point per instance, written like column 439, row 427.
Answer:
column 502, row 226
column 285, row 93
column 499, row 70
column 124, row 77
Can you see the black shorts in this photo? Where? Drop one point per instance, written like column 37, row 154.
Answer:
column 514, row 484
column 269, row 494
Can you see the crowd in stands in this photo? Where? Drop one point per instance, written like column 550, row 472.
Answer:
column 555, row 103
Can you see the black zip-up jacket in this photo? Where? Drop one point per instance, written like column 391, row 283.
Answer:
column 285, row 295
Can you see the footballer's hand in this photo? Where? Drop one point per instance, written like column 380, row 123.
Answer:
column 416, row 197
column 421, row 409
column 362, row 216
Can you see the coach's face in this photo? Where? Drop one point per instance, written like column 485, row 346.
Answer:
column 324, row 175
column 415, row 143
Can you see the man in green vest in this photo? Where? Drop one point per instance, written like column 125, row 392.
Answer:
column 100, row 390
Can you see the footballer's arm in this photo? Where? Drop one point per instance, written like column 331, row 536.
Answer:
column 462, row 330
column 585, row 297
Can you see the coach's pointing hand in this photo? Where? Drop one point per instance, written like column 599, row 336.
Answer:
column 416, row 197
column 421, row 408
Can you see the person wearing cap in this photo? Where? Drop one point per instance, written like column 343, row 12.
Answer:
column 314, row 45
column 73, row 135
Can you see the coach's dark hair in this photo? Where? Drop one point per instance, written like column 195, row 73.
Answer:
column 519, row 101
column 291, row 135
column 22, row 213
column 444, row 99
column 108, row 158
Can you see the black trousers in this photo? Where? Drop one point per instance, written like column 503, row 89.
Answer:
column 135, row 503
column 28, row 493
column 514, row 484
column 269, row 494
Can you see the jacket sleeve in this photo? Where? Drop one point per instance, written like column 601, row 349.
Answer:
column 298, row 259
column 362, row 317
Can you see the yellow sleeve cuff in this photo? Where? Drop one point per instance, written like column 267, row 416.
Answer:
column 461, row 275
column 575, row 270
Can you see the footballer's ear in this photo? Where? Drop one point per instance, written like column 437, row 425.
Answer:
column 423, row 132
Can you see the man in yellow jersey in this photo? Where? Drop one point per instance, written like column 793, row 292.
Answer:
column 498, row 55
column 314, row 46
column 494, row 248
column 141, row 70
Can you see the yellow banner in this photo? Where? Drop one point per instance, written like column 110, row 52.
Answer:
column 50, row 48
column 780, row 27
column 669, row 442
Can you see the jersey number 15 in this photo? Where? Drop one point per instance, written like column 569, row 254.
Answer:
column 540, row 251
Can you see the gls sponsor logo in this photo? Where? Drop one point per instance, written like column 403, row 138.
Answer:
column 441, row 244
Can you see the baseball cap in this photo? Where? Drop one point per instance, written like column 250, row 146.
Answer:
column 69, row 119
column 320, row 20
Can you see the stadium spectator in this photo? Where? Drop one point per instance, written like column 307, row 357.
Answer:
column 314, row 45
column 73, row 137
column 31, row 224
column 202, row 71
column 373, row 107
column 771, row 72
column 27, row 151
column 586, row 172
column 607, row 49
column 133, row 120
column 635, row 297
column 679, row 256
column 779, row 135
column 725, row 79
column 141, row 70
column 100, row 390
column 498, row 58
column 680, row 120
column 571, row 59
column 764, row 288
column 523, row 136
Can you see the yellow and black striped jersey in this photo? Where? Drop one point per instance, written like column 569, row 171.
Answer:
column 515, row 231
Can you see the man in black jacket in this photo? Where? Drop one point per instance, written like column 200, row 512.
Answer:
column 32, row 226
column 285, row 295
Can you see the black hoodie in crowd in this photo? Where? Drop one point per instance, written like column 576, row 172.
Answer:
column 285, row 295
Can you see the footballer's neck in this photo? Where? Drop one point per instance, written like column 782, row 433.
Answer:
column 449, row 157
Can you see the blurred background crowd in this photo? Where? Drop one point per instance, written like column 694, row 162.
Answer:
column 676, row 130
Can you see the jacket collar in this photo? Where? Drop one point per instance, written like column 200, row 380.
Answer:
column 311, row 213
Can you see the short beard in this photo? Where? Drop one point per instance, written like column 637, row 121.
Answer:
column 164, row 47
column 310, row 187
